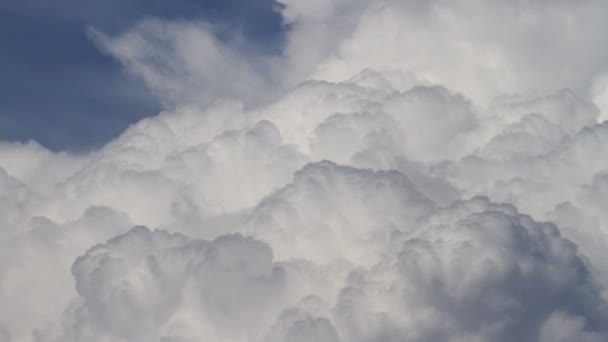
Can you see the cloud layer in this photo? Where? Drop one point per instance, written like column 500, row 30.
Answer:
column 403, row 171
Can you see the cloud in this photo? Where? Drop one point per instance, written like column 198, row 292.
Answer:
column 475, row 271
column 331, row 212
column 480, row 49
column 144, row 282
column 562, row 327
column 186, row 62
column 421, row 171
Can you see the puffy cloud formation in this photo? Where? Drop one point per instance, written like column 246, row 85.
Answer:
column 401, row 171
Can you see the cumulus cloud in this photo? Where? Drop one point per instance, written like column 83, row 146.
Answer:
column 144, row 282
column 475, row 271
column 402, row 170
column 482, row 49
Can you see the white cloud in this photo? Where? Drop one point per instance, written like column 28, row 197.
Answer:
column 482, row 49
column 346, row 190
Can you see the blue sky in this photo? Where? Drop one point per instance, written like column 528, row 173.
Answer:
column 56, row 87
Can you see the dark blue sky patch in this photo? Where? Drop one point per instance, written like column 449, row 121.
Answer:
column 56, row 87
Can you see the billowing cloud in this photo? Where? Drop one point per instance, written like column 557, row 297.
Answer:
column 475, row 271
column 401, row 171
